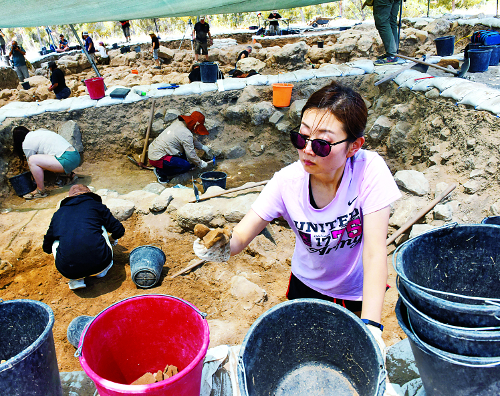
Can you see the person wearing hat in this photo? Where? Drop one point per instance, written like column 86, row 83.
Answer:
column 89, row 45
column 63, row 44
column 58, row 83
column 200, row 32
column 173, row 151
column 78, row 236
column 103, row 53
column 155, row 46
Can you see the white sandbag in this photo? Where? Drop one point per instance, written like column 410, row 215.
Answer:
column 272, row 79
column 82, row 102
column 158, row 93
column 108, row 101
column 406, row 75
column 492, row 105
column 387, row 69
column 286, row 77
column 423, row 85
column 229, row 84
column 208, row 87
column 55, row 105
column 188, row 89
column 458, row 91
column 19, row 109
column 303, row 75
column 257, row 79
column 327, row 71
column 476, row 97
column 365, row 64
column 350, row 71
column 412, row 81
column 132, row 97
column 443, row 83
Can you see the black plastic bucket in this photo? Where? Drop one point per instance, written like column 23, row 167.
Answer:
column 467, row 341
column 493, row 220
column 479, row 60
column 137, row 48
column 445, row 46
column 310, row 347
column 209, row 72
column 447, row 374
column 209, row 179
column 495, row 53
column 26, row 85
column 23, row 183
column 451, row 274
column 146, row 264
column 320, row 44
column 27, row 345
column 469, row 47
column 75, row 329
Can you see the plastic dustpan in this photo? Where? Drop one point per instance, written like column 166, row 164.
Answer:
column 119, row 93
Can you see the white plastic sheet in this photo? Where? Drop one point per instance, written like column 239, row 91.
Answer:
column 221, row 360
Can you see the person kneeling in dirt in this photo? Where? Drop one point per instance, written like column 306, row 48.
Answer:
column 45, row 150
column 78, row 236
column 103, row 58
column 336, row 198
column 173, row 151
column 58, row 83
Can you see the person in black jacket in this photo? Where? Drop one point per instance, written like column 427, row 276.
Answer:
column 58, row 82
column 78, row 236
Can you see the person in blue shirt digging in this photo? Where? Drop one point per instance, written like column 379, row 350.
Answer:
column 78, row 236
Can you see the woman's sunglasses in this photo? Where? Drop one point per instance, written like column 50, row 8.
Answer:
column 320, row 147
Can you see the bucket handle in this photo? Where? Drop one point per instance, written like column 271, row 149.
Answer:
column 241, row 368
column 78, row 351
column 405, row 279
column 381, row 379
column 496, row 304
column 449, row 360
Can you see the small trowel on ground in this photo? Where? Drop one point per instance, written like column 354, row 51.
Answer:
column 267, row 233
column 195, row 189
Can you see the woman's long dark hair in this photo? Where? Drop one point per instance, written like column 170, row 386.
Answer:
column 345, row 104
column 18, row 135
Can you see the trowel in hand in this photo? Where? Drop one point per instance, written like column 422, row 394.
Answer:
column 267, row 233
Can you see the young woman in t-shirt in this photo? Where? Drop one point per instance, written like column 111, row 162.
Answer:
column 336, row 199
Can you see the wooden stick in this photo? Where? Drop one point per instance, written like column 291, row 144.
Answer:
column 420, row 214
column 189, row 267
column 428, row 64
column 143, row 155
column 203, row 198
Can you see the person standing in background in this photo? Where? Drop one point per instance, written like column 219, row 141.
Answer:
column 2, row 44
column 273, row 18
column 126, row 29
column 155, row 46
column 385, row 13
column 17, row 55
column 89, row 45
column 200, row 32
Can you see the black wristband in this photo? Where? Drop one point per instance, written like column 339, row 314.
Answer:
column 372, row 323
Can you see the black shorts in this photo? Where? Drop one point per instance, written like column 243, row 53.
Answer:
column 296, row 289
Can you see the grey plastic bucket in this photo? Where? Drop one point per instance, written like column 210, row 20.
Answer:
column 27, row 345
column 146, row 264
column 23, row 183
column 467, row 341
column 209, row 179
column 310, row 347
column 445, row 46
column 447, row 374
column 451, row 274
column 76, row 327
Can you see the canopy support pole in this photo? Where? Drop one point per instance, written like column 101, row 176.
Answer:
column 429, row 7
column 399, row 24
column 85, row 51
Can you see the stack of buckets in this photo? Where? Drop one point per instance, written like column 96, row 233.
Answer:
column 449, row 307
column 482, row 56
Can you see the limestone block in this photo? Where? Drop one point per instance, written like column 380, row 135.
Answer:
column 381, row 127
column 250, row 63
column 260, row 112
column 412, row 181
column 71, row 132
column 248, row 292
column 120, row 208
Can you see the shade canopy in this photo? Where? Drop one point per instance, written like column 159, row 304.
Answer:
column 27, row 13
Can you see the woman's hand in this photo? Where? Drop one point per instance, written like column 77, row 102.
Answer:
column 246, row 230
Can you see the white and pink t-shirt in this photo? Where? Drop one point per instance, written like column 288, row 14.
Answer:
column 329, row 246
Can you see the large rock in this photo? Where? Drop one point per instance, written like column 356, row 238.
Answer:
column 381, row 127
column 260, row 112
column 71, row 132
column 247, row 64
column 404, row 211
column 143, row 200
column 412, row 181
column 398, row 136
column 293, row 55
column 247, row 292
column 8, row 78
column 316, row 54
column 237, row 112
column 249, row 94
column 121, row 209
column 166, row 53
column 295, row 111
column 36, row 81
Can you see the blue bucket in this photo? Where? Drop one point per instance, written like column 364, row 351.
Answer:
column 493, row 220
column 209, row 72
column 310, row 347
column 495, row 53
column 209, row 179
column 447, row 374
column 469, row 47
column 467, row 341
column 479, row 60
column 146, row 264
column 23, row 183
column 27, row 345
column 445, row 46
column 451, row 274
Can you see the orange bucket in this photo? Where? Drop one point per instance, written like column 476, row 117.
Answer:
column 282, row 94
column 135, row 71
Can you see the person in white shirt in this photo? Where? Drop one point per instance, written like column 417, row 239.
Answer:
column 103, row 53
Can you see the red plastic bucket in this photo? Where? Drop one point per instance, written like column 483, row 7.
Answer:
column 95, row 87
column 143, row 334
